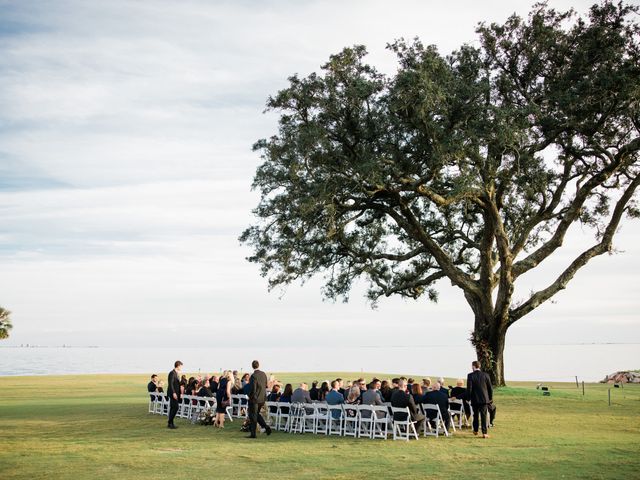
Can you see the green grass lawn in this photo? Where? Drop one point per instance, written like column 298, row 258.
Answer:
column 97, row 427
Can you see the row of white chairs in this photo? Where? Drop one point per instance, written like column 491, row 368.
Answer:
column 191, row 405
column 358, row 421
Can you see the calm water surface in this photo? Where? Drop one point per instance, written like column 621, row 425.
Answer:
column 590, row 362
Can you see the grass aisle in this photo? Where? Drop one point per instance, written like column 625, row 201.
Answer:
column 97, row 427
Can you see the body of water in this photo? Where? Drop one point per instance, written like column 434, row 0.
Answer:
column 590, row 362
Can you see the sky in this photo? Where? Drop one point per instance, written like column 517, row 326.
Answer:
column 125, row 170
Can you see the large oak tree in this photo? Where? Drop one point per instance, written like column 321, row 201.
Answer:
column 470, row 166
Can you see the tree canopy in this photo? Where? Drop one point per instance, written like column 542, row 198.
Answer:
column 470, row 166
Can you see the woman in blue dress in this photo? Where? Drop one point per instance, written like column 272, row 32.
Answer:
column 223, row 397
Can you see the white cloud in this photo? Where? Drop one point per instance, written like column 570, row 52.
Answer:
column 142, row 115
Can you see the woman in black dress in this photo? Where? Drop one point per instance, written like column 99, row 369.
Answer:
column 223, row 398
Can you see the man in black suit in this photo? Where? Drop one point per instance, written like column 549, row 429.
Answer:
column 439, row 397
column 402, row 399
column 480, row 393
column 173, row 391
column 257, row 397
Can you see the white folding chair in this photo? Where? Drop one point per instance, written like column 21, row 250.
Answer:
column 456, row 412
column 153, row 399
column 336, row 419
column 309, row 418
column 350, row 422
column 403, row 429
column 184, row 408
column 380, row 427
column 365, row 421
column 295, row 423
column 163, row 404
column 432, row 410
column 322, row 418
column 284, row 411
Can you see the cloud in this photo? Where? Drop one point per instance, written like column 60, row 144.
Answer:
column 125, row 164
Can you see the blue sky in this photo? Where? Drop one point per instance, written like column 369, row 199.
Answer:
column 125, row 169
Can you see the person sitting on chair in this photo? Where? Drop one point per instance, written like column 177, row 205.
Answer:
column 437, row 397
column 371, row 396
column 160, row 386
column 334, row 397
column 402, row 399
column 314, row 391
column 322, row 393
column 152, row 386
column 205, row 390
column 274, row 396
column 301, row 394
column 443, row 389
column 459, row 392
column 416, row 392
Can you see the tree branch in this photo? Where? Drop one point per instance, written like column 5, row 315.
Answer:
column 563, row 279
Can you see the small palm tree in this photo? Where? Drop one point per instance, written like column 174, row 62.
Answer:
column 5, row 323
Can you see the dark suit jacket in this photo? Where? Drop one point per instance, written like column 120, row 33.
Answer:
column 440, row 398
column 152, row 387
column 402, row 399
column 173, row 384
column 258, row 387
column 479, row 389
column 459, row 392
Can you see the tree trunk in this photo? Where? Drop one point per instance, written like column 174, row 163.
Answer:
column 489, row 339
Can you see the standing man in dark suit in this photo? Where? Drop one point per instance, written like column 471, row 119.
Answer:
column 480, row 393
column 173, row 391
column 257, row 397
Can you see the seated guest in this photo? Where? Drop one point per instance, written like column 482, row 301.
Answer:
column 371, row 396
column 394, row 383
column 189, row 388
column 340, row 388
column 401, row 399
column 286, row 394
column 410, row 382
column 246, row 389
column 440, row 398
column 385, row 391
column 245, row 379
column 152, row 386
column 459, row 392
column 271, row 382
column 347, row 387
column 313, row 393
column 416, row 392
column 442, row 387
column 353, row 397
column 160, row 386
column 322, row 393
column 334, row 397
column 205, row 390
column 300, row 394
column 426, row 385
column 274, row 396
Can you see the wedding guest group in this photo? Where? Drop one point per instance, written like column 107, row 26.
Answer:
column 401, row 392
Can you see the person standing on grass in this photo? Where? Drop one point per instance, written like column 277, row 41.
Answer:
column 480, row 393
column 257, row 397
column 174, row 392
